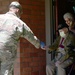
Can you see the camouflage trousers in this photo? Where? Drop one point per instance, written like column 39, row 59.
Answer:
column 6, row 63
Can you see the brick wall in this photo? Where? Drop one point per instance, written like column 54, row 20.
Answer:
column 4, row 5
column 33, row 60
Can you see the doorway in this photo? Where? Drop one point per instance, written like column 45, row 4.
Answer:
column 54, row 16
column 65, row 6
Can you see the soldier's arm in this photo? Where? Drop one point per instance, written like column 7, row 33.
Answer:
column 29, row 35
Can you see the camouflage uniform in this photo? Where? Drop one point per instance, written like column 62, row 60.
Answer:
column 11, row 29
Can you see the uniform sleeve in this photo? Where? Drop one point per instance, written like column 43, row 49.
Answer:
column 29, row 35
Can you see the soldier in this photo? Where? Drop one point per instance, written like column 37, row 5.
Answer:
column 11, row 29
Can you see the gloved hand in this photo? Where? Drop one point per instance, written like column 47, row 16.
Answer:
column 42, row 44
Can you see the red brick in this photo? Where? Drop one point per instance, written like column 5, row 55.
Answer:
column 35, row 69
column 36, row 59
column 42, row 73
column 5, row 3
column 25, row 73
column 27, row 69
column 34, row 54
column 27, row 60
column 28, row 2
column 41, row 63
column 24, row 64
column 34, row 64
column 35, row 73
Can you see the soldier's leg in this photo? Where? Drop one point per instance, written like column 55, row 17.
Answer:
column 0, row 67
column 7, row 67
column 7, row 62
